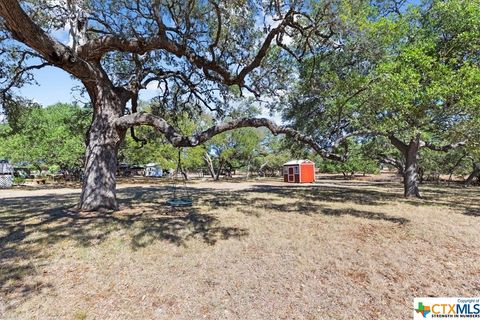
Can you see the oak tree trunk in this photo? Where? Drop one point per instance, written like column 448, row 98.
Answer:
column 180, row 167
column 209, row 162
column 220, row 168
column 103, row 140
column 455, row 166
column 475, row 173
column 411, row 171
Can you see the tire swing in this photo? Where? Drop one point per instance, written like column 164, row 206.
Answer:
column 181, row 196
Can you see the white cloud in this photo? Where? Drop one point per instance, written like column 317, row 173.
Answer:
column 63, row 35
column 57, row 2
column 247, row 93
column 270, row 22
column 154, row 86
column 272, row 115
column 287, row 40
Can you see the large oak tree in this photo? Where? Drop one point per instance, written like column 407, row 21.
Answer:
column 196, row 52
column 407, row 75
column 427, row 86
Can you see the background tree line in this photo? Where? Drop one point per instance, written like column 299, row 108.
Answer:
column 52, row 138
column 358, row 82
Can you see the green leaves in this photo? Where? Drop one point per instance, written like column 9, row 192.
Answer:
column 237, row 146
column 47, row 136
column 408, row 71
column 359, row 161
column 428, row 81
column 160, row 151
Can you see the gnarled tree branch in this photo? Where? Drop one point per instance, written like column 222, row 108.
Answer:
column 443, row 148
column 29, row 33
column 96, row 48
column 178, row 140
column 399, row 144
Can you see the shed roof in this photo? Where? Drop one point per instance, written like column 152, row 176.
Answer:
column 294, row 162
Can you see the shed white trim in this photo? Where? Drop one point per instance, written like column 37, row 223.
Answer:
column 296, row 162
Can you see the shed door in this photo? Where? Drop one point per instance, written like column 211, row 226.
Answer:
column 291, row 175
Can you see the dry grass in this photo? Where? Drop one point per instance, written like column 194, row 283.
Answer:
column 336, row 250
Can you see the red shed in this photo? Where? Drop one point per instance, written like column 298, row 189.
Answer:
column 299, row 171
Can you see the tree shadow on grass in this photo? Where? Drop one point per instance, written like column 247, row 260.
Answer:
column 455, row 197
column 343, row 193
column 30, row 226
column 473, row 212
column 364, row 214
column 301, row 199
column 313, row 209
column 178, row 229
column 264, row 198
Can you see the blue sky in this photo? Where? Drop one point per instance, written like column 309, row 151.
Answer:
column 55, row 85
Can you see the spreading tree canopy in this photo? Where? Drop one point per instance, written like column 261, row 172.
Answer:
column 427, row 86
column 408, row 74
column 196, row 52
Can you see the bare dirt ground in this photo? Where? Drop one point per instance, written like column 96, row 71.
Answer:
column 246, row 250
